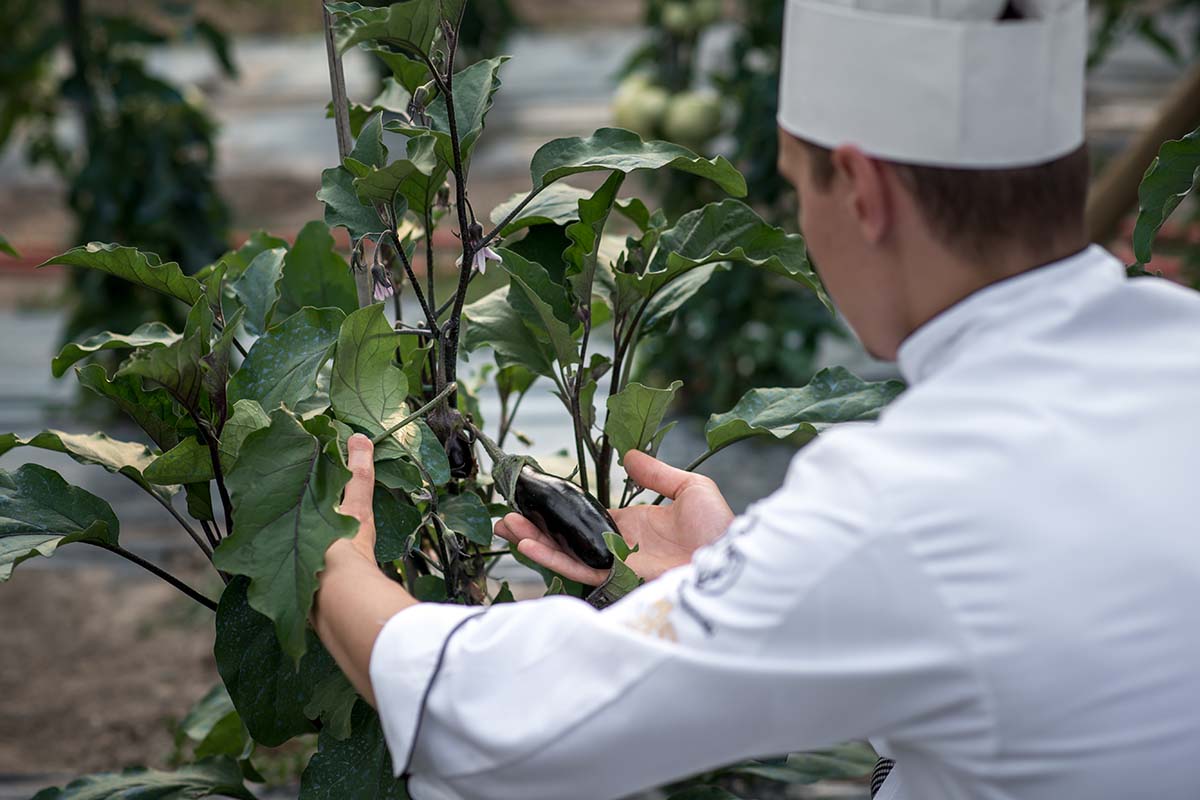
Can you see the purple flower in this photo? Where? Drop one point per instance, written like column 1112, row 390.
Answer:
column 382, row 283
column 482, row 256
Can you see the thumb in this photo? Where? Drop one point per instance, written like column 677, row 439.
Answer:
column 657, row 476
column 356, row 501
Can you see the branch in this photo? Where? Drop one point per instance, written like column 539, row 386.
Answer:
column 430, row 319
column 700, row 459
column 450, row 354
column 420, row 412
column 205, row 547
column 341, row 118
column 511, row 216
column 157, row 572
column 429, row 291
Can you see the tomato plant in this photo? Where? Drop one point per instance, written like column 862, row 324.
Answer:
column 288, row 348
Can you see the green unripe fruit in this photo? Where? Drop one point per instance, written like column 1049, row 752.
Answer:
column 678, row 18
column 639, row 106
column 692, row 118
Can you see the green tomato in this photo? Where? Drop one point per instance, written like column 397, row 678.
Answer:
column 678, row 18
column 639, row 106
column 707, row 11
column 692, row 118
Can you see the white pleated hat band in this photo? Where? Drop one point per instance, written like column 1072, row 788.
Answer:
column 936, row 82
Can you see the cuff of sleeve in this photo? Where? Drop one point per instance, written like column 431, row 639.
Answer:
column 405, row 661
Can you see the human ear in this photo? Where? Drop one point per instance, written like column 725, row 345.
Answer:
column 867, row 196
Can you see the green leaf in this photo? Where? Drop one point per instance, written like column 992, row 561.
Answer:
column 285, row 488
column 834, row 395
column 411, row 26
column 176, row 367
column 214, row 370
column 624, row 151
column 8, row 249
column 466, row 514
column 213, row 723
column 384, row 184
column 542, row 304
column 258, row 289
column 844, row 762
column 635, row 414
column 359, row 766
column 267, row 690
column 586, row 236
column 40, row 512
column 217, row 777
column 474, row 88
column 247, row 418
column 703, row 793
column 1170, row 178
column 282, row 365
column 407, row 72
column 504, row 594
column 670, row 298
column 400, row 474
column 122, row 458
column 144, row 269
column 621, row 579
column 187, row 462
column 333, row 699
column 315, row 275
column 725, row 231
column 491, row 321
column 367, row 389
column 152, row 410
column 342, row 208
column 236, row 261
column 369, row 149
column 396, row 524
column 147, row 335
column 558, row 204
column 430, row 589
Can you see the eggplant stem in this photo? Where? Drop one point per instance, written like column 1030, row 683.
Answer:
column 420, row 412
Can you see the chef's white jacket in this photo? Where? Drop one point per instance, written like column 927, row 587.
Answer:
column 997, row 584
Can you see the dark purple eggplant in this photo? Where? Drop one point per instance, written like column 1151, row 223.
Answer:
column 565, row 513
column 461, row 457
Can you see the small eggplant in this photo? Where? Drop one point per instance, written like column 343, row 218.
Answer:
column 460, row 456
column 565, row 513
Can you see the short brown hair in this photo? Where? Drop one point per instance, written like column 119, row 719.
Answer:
column 975, row 210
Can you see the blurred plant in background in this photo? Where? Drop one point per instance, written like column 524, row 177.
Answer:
column 740, row 330
column 141, row 168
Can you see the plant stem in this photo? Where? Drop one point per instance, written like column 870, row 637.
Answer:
column 213, row 538
column 157, row 572
column 511, row 216
column 205, row 547
column 576, row 411
column 430, row 319
column 420, row 412
column 507, row 419
column 429, row 291
column 341, row 118
column 700, row 459
column 450, row 354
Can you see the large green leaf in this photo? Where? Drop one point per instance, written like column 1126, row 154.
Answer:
column 719, row 232
column 285, row 487
column 258, row 289
column 492, row 321
column 635, row 415
column 342, row 208
column 216, row 728
column 625, row 151
column 1169, row 179
column 176, row 367
column 236, row 261
column 385, row 184
column 558, row 204
column 187, row 462
column 466, row 514
column 367, row 389
column 670, row 298
column 151, row 409
column 542, row 304
column 216, row 777
column 315, row 275
column 408, row 72
column 40, row 512
column 359, row 766
column 586, row 236
column 264, row 684
column 834, row 395
column 396, row 524
column 282, row 365
column 411, row 27
column 144, row 269
column 148, row 335
column 122, row 458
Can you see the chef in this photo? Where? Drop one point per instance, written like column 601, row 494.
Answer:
column 996, row 584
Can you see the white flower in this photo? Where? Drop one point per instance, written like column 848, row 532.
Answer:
column 383, row 284
column 482, row 256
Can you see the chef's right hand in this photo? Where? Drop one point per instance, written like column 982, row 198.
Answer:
column 666, row 535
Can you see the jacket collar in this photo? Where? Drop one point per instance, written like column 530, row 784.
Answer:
column 934, row 344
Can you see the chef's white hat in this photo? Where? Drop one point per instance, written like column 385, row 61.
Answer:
column 936, row 82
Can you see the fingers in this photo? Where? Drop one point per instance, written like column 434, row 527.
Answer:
column 657, row 476
column 553, row 558
column 515, row 527
column 356, row 501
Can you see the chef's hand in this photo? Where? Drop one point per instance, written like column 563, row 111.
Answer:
column 666, row 536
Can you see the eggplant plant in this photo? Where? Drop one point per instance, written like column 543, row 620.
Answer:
column 289, row 348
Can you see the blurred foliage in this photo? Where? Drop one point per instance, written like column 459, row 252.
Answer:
column 140, row 168
column 1149, row 20
column 742, row 329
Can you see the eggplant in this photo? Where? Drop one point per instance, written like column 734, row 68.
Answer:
column 459, row 454
column 567, row 514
